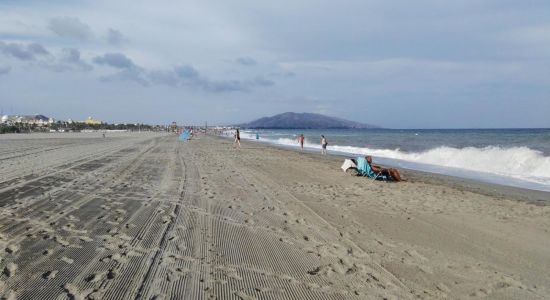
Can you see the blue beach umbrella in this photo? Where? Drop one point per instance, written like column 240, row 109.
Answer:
column 184, row 136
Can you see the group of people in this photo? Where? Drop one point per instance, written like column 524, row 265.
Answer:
column 362, row 164
column 324, row 143
column 373, row 170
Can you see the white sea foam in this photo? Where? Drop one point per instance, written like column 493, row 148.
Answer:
column 516, row 162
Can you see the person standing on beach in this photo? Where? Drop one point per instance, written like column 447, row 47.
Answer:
column 301, row 139
column 237, row 138
column 324, row 144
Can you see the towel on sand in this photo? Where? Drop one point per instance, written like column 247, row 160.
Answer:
column 348, row 163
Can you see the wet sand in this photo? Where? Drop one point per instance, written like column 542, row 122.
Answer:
column 143, row 216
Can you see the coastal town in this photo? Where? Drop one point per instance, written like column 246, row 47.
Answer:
column 42, row 123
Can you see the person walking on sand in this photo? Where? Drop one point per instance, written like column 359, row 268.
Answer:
column 237, row 138
column 324, row 144
column 301, row 139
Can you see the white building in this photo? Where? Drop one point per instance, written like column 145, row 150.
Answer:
column 39, row 120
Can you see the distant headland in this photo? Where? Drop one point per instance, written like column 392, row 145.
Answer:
column 292, row 120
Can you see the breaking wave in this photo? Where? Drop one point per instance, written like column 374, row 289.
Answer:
column 517, row 162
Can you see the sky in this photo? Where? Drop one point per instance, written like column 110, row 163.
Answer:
column 396, row 64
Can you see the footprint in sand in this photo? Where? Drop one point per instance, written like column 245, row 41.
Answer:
column 326, row 270
column 63, row 242
column 96, row 277
column 112, row 274
column 11, row 249
column 229, row 272
column 262, row 289
column 85, row 239
column 443, row 288
column 49, row 274
column 9, row 295
column 10, row 269
column 414, row 254
column 242, row 295
column 288, row 278
column 74, row 293
column 67, row 260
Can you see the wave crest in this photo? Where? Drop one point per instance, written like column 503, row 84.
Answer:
column 517, row 162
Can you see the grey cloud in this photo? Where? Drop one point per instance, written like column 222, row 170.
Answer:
column 71, row 56
column 4, row 70
column 70, row 27
column 182, row 75
column 286, row 74
column 134, row 75
column 164, row 77
column 186, row 72
column 115, row 37
column 261, row 81
column 220, row 86
column 21, row 51
column 67, row 60
column 115, row 60
column 37, row 49
column 128, row 70
column 246, row 61
column 186, row 75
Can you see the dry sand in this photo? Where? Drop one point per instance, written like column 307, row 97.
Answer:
column 147, row 217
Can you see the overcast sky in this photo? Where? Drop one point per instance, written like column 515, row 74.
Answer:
column 397, row 64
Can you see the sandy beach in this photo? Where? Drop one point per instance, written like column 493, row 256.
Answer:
column 145, row 216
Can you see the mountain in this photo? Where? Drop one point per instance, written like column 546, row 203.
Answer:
column 291, row 120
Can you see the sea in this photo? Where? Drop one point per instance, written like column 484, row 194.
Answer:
column 511, row 157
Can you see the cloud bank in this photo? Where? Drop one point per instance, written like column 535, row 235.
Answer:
column 397, row 64
column 23, row 52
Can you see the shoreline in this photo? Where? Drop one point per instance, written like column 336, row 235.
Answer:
column 532, row 196
column 500, row 162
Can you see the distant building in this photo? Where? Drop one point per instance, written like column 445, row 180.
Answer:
column 39, row 120
column 5, row 119
column 92, row 121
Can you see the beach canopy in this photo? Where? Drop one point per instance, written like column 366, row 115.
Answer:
column 184, row 136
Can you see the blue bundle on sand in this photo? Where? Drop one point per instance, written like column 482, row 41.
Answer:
column 184, row 136
column 365, row 170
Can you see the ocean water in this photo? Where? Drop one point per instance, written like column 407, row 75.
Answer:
column 514, row 157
